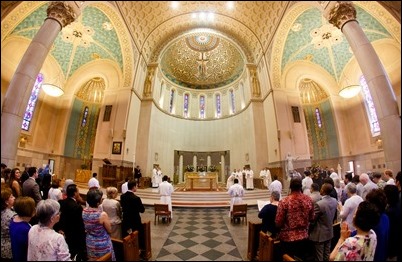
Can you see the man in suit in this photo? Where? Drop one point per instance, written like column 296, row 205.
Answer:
column 30, row 187
column 71, row 224
column 322, row 231
column 132, row 207
column 137, row 174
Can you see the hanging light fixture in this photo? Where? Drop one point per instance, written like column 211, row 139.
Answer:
column 53, row 88
column 350, row 90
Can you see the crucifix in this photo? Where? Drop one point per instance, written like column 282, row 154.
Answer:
column 202, row 64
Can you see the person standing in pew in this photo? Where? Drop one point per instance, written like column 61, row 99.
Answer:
column 321, row 231
column 132, row 207
column 268, row 214
column 293, row 217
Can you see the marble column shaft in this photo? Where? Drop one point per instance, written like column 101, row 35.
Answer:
column 19, row 91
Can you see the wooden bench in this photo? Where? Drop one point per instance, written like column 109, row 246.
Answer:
column 128, row 249
column 147, row 253
column 162, row 210
column 254, row 229
column 269, row 248
column 238, row 211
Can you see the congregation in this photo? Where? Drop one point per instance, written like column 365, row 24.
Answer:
column 366, row 206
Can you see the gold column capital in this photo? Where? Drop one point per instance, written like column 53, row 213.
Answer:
column 339, row 13
column 64, row 12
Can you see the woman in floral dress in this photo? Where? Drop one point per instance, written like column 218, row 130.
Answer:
column 97, row 227
column 360, row 247
column 7, row 202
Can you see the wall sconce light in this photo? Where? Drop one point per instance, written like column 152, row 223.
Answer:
column 247, row 157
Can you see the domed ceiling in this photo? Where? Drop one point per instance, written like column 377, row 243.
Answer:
column 202, row 60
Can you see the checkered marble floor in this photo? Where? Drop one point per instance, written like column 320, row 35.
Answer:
column 200, row 234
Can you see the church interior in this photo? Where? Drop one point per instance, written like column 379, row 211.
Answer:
column 199, row 83
column 200, row 87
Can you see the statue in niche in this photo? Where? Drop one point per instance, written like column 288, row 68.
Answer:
column 148, row 82
column 255, row 84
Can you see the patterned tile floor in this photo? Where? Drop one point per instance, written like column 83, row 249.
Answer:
column 199, row 234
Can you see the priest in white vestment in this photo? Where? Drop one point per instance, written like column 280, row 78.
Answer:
column 276, row 185
column 155, row 177
column 249, row 179
column 230, row 180
column 165, row 191
column 236, row 192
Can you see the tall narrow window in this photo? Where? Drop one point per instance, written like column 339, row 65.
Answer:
column 296, row 114
column 318, row 116
column 84, row 116
column 202, row 106
column 371, row 113
column 185, row 106
column 26, row 122
column 108, row 113
column 218, row 105
column 232, row 101
column 171, row 101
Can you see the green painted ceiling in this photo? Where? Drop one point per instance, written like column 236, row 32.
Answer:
column 299, row 44
column 93, row 25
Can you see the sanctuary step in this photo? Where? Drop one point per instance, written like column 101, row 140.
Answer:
column 150, row 196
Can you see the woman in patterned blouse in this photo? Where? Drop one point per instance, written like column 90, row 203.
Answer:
column 360, row 247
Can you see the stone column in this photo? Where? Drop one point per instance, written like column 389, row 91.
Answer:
column 223, row 168
column 208, row 161
column 195, row 162
column 343, row 16
column 180, row 168
column 59, row 14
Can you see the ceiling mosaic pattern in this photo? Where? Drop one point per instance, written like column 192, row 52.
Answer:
column 202, row 60
column 288, row 31
column 312, row 38
column 251, row 22
column 92, row 36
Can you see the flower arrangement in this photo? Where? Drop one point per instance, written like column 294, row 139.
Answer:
column 202, row 169
column 189, row 168
column 212, row 168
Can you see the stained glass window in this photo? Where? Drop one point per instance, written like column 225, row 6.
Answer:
column 371, row 113
column 26, row 122
column 171, row 101
column 202, row 106
column 218, row 105
column 186, row 97
column 84, row 116
column 318, row 116
column 232, row 101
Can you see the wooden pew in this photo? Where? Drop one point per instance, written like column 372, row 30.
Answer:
column 269, row 248
column 123, row 253
column 128, row 248
column 147, row 253
column 254, row 229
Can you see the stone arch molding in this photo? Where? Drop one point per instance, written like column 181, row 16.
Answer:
column 299, row 70
column 105, row 69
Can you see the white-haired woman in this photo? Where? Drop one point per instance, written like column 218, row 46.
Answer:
column 45, row 244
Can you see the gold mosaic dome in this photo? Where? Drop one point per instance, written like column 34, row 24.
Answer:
column 202, row 60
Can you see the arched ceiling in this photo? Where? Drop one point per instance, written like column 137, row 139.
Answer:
column 251, row 24
column 285, row 31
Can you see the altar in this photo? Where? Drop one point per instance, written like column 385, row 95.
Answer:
column 201, row 181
